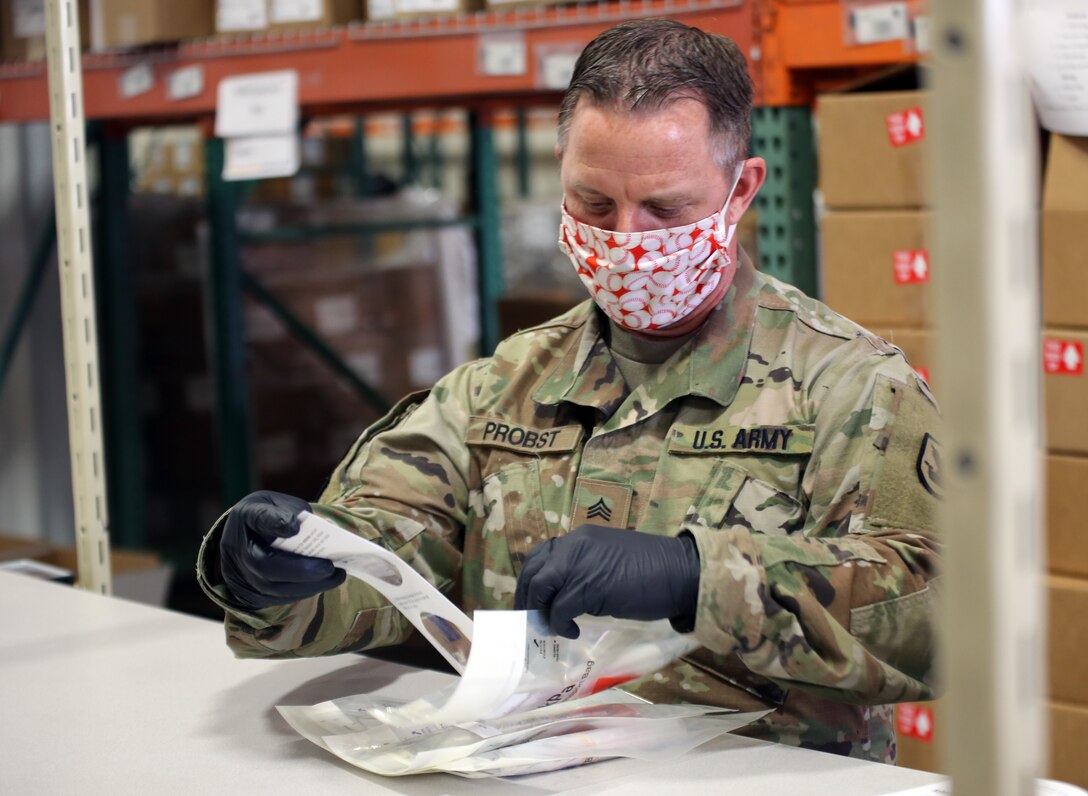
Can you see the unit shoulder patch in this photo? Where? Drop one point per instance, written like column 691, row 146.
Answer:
column 929, row 466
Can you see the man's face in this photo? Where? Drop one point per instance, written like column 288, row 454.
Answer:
column 636, row 172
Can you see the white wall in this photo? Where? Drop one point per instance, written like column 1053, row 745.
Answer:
column 35, row 476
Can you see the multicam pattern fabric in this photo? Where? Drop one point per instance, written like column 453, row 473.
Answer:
column 786, row 439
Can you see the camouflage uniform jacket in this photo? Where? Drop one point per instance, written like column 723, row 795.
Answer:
column 793, row 445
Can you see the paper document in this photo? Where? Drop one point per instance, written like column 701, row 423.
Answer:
column 440, row 621
column 1057, row 61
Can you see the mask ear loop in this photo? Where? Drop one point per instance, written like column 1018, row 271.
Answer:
column 732, row 228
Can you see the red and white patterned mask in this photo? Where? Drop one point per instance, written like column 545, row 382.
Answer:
column 650, row 280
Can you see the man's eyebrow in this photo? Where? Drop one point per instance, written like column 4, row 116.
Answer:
column 667, row 200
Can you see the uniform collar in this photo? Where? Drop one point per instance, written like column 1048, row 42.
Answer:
column 711, row 364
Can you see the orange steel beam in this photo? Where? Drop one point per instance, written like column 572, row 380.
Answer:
column 391, row 65
column 804, row 42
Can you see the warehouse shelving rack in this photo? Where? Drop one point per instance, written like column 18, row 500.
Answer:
column 794, row 47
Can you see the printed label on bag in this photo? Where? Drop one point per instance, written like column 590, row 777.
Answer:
column 910, row 266
column 1064, row 357
column 906, row 127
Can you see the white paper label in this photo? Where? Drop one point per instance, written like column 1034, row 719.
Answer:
column 425, row 6
column 258, row 157
column 556, row 69
column 284, row 11
column 439, row 620
column 28, row 18
column 877, row 23
column 185, row 83
column 380, row 9
column 367, row 365
column 1057, row 56
column 183, row 152
column 257, row 104
column 336, row 314
column 504, row 54
column 426, row 366
column 241, row 15
column 921, row 33
column 138, row 80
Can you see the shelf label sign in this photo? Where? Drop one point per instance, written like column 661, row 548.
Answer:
column 502, row 55
column 185, row 83
column 914, row 721
column 1063, row 357
column 555, row 65
column 910, row 266
column 906, row 127
column 260, row 156
column 265, row 103
column 879, row 22
column 138, row 80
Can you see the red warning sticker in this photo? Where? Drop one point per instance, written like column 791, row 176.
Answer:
column 906, row 127
column 910, row 266
column 914, row 721
column 1064, row 357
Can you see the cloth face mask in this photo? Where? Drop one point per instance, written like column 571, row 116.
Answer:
column 650, row 280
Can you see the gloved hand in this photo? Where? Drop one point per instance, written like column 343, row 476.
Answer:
column 257, row 574
column 611, row 572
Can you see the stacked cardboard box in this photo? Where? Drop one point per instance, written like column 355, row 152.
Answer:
column 875, row 254
column 283, row 16
column 876, row 272
column 123, row 24
column 22, row 29
column 1064, row 232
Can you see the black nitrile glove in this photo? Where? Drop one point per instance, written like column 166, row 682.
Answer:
column 611, row 572
column 257, row 574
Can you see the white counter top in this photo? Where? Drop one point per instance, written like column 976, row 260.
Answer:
column 101, row 695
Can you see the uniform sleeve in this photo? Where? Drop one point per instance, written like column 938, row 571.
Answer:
column 403, row 485
column 844, row 608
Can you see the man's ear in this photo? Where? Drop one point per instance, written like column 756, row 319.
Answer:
column 751, row 180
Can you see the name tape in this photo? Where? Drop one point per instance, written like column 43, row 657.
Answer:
column 499, row 434
column 742, row 439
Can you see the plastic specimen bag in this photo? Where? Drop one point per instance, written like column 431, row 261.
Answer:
column 526, row 700
column 606, row 725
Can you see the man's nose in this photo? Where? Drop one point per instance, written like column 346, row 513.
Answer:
column 629, row 219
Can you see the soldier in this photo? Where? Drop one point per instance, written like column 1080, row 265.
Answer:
column 700, row 442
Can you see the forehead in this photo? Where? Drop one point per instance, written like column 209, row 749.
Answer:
column 608, row 142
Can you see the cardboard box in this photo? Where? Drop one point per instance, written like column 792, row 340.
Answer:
column 248, row 16
column 136, row 575
column 1065, row 233
column 917, row 735
column 876, row 267
column 1065, row 390
column 872, row 147
column 1067, row 627
column 1068, row 742
column 414, row 9
column 119, row 24
column 1066, row 530
column 22, row 29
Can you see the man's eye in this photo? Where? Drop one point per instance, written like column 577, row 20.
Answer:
column 665, row 212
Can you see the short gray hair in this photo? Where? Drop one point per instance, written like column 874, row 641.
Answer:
column 645, row 64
